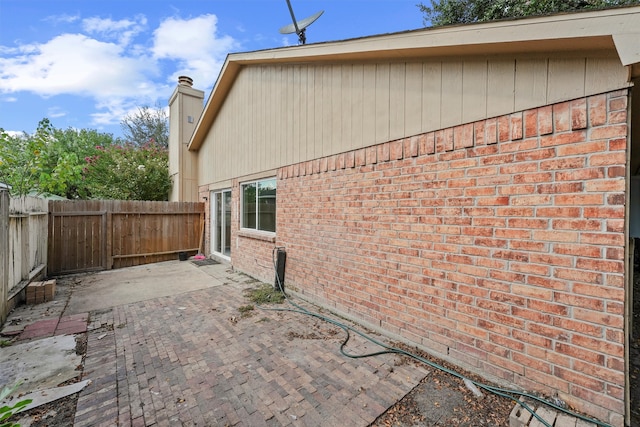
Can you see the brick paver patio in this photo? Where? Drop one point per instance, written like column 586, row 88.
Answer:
column 193, row 360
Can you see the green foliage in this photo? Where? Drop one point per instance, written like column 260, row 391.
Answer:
column 7, row 411
column 51, row 161
column 246, row 310
column 84, row 164
column 147, row 125
column 22, row 158
column 126, row 172
column 265, row 294
column 445, row 12
column 66, row 161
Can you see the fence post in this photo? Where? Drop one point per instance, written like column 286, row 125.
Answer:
column 4, row 254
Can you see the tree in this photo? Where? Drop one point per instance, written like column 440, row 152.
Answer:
column 129, row 172
column 50, row 161
column 146, row 125
column 445, row 12
column 22, row 158
column 83, row 164
column 66, row 157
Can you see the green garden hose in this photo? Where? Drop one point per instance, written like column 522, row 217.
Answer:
column 511, row 394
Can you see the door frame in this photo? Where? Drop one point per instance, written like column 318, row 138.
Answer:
column 214, row 224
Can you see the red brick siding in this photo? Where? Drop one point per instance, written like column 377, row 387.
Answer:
column 498, row 244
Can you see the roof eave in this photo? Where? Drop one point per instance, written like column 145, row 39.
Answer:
column 614, row 30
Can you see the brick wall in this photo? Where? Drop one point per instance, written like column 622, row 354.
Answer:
column 498, row 244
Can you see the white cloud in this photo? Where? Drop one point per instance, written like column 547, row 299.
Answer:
column 55, row 112
column 103, row 62
column 123, row 30
column 72, row 64
column 286, row 42
column 62, row 19
column 195, row 44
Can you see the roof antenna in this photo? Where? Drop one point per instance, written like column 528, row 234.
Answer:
column 299, row 27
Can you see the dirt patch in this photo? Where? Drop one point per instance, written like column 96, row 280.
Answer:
column 60, row 413
column 442, row 399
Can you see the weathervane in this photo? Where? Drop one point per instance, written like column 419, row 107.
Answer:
column 299, row 27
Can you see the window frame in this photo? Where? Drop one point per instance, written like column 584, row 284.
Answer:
column 256, row 183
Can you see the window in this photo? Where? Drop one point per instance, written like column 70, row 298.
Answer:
column 259, row 205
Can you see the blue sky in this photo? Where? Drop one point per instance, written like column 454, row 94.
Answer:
column 88, row 63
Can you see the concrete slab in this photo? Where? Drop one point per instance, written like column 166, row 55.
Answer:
column 128, row 285
column 42, row 397
column 40, row 364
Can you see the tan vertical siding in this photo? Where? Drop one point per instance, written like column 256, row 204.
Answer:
column 413, row 99
column 531, row 83
column 301, row 109
column 500, row 87
column 274, row 151
column 368, row 104
column 474, row 91
column 563, row 85
column 337, row 105
column 431, row 95
column 397, row 84
column 346, row 104
column 451, row 102
column 317, row 118
column 357, row 110
column 277, row 115
column 382, row 94
column 600, row 75
column 309, row 130
column 296, row 95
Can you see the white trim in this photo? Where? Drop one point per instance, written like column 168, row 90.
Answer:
column 256, row 182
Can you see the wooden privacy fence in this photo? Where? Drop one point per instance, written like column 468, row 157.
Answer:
column 23, row 245
column 89, row 235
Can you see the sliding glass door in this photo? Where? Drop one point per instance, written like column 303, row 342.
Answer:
column 221, row 223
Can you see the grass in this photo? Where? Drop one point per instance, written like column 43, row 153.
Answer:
column 265, row 294
column 246, row 310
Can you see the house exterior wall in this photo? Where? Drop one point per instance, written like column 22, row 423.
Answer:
column 278, row 115
column 498, row 244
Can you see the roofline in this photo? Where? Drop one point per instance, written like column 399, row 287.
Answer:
column 616, row 30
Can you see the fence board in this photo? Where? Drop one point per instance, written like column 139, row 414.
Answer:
column 23, row 255
column 27, row 238
column 95, row 235
column 4, row 254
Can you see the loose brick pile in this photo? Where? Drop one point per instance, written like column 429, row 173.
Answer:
column 39, row 292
